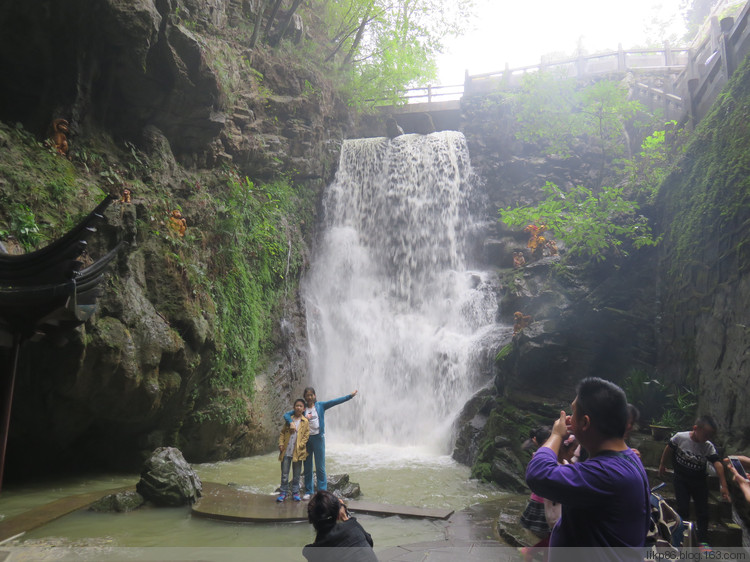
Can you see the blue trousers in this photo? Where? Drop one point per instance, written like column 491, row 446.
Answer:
column 316, row 447
column 286, row 462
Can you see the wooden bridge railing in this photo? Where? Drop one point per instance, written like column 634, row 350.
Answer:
column 660, row 61
column 690, row 78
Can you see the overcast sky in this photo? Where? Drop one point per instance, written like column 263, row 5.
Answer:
column 519, row 32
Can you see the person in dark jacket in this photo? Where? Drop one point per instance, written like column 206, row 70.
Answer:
column 339, row 536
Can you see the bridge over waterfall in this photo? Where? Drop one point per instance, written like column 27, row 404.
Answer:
column 683, row 82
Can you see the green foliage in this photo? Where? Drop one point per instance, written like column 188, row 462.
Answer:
column 41, row 195
column 556, row 112
column 23, row 225
column 591, row 225
column 646, row 393
column 651, row 166
column 657, row 404
column 234, row 72
column 257, row 253
column 679, row 410
column 504, row 352
column 562, row 117
column 544, row 108
column 389, row 45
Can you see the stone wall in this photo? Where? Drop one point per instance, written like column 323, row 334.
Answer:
column 704, row 269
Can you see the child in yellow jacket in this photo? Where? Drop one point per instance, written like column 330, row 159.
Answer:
column 293, row 450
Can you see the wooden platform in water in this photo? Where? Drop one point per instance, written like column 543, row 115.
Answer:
column 218, row 502
column 232, row 504
column 43, row 514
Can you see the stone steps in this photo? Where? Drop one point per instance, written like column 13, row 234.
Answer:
column 722, row 531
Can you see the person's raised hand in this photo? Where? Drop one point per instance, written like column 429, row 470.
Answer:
column 354, row 393
column 560, row 426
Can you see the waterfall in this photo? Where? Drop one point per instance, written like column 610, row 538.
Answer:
column 391, row 308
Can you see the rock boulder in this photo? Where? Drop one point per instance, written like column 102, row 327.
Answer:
column 168, row 480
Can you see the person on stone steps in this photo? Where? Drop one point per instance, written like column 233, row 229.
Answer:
column 690, row 452
column 293, row 450
column 316, row 445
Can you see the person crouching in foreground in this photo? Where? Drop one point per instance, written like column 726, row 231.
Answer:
column 335, row 529
column 605, row 499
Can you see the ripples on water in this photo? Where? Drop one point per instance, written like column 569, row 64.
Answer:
column 404, row 476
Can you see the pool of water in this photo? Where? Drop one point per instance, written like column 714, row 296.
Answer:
column 405, row 476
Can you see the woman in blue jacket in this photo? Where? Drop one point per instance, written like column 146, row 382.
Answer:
column 316, row 444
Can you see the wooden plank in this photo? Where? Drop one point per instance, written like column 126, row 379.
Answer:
column 401, row 510
column 43, row 514
column 231, row 504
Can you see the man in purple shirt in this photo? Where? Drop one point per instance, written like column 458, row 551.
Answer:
column 605, row 499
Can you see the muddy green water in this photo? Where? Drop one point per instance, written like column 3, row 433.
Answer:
column 405, row 476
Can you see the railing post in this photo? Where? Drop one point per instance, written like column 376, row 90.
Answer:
column 692, row 85
column 715, row 33
column 581, row 66
column 691, row 71
column 727, row 52
column 429, row 93
column 621, row 61
column 667, row 54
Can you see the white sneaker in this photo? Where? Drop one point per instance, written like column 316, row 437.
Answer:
column 306, row 497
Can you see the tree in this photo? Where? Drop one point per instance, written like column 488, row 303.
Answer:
column 695, row 12
column 591, row 225
column 261, row 5
column 388, row 45
column 284, row 26
column 593, row 222
column 556, row 112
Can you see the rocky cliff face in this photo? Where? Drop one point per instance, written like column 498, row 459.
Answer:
column 704, row 268
column 592, row 320
column 676, row 313
column 163, row 97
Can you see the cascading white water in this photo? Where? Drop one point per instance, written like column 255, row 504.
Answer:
column 391, row 309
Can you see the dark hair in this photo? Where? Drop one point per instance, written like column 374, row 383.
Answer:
column 707, row 421
column 323, row 511
column 542, row 434
column 300, row 400
column 311, row 389
column 605, row 404
column 633, row 414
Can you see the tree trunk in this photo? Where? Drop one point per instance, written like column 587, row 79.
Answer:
column 258, row 23
column 272, row 17
column 286, row 22
column 358, row 37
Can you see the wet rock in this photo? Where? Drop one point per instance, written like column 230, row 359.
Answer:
column 120, row 503
column 424, row 124
column 168, row 480
column 507, row 471
column 470, row 424
column 340, row 485
column 392, row 128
